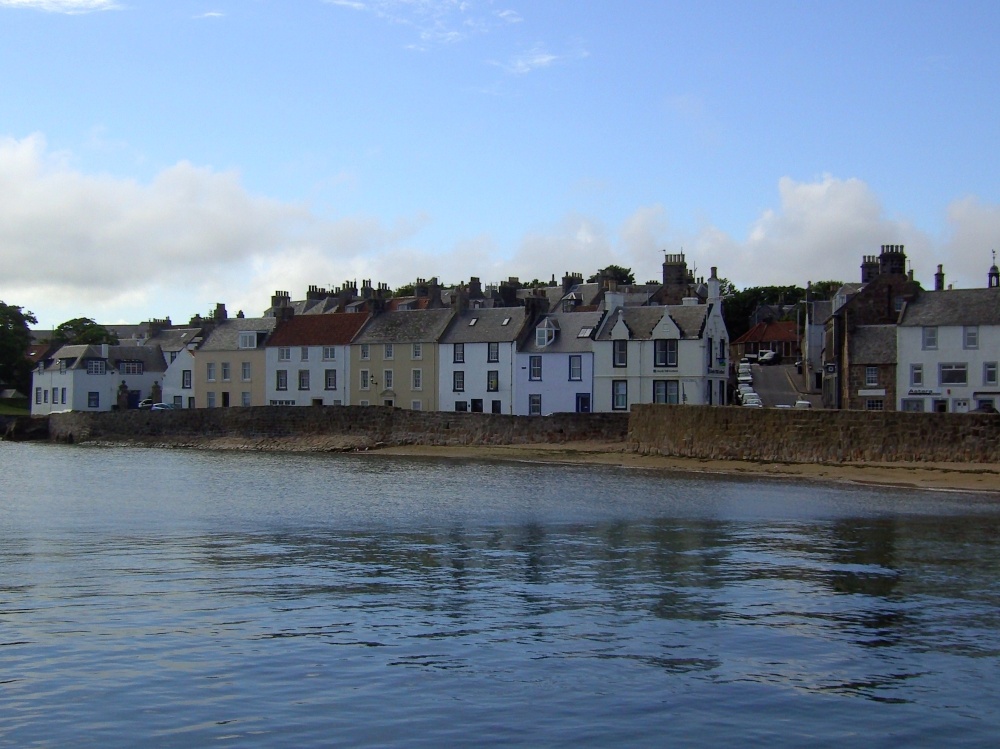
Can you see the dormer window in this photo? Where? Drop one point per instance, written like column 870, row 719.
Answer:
column 248, row 339
column 545, row 334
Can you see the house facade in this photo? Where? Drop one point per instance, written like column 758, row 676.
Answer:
column 178, row 345
column 948, row 349
column 230, row 365
column 307, row 359
column 477, row 355
column 554, row 365
column 394, row 359
column 96, row 378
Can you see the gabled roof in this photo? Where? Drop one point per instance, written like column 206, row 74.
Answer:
column 226, row 336
column 406, row 326
column 175, row 339
column 770, row 332
column 569, row 338
column 486, row 325
column 953, row 307
column 78, row 355
column 873, row 344
column 641, row 321
column 335, row 329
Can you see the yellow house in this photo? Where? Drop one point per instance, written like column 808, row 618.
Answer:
column 230, row 365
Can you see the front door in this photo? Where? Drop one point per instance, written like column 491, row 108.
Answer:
column 583, row 403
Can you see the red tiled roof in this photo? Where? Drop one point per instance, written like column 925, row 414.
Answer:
column 768, row 332
column 335, row 329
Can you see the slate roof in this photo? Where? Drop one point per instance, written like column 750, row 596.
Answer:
column 406, row 326
column 873, row 344
column 689, row 318
column 175, row 339
column 150, row 356
column 335, row 329
column 226, row 336
column 488, row 325
column 568, row 340
column 953, row 307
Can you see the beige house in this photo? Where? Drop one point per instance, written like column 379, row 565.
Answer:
column 394, row 359
column 229, row 367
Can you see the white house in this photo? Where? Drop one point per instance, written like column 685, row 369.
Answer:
column 477, row 354
column 178, row 345
column 667, row 354
column 96, row 378
column 308, row 359
column 554, row 366
column 948, row 350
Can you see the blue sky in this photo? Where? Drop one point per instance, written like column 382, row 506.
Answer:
column 157, row 157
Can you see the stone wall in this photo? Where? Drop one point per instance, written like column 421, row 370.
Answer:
column 330, row 428
column 814, row 436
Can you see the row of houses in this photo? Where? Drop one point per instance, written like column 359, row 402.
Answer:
column 578, row 348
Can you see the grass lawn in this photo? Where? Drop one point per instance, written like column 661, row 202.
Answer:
column 14, row 407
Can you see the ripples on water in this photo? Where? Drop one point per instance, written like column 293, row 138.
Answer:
column 172, row 598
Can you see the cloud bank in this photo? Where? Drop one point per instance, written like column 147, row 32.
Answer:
column 71, row 7
column 74, row 244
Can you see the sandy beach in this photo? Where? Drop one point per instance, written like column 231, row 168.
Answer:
column 940, row 476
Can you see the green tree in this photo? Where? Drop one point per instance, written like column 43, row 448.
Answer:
column 15, row 338
column 825, row 289
column 82, row 330
column 622, row 276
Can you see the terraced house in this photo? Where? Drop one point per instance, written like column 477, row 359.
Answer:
column 394, row 359
column 230, row 365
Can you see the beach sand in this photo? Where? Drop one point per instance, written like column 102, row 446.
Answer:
column 941, row 476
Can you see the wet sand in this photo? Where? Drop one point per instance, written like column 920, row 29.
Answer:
column 940, row 476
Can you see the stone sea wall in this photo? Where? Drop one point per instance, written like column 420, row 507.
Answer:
column 814, row 436
column 330, row 428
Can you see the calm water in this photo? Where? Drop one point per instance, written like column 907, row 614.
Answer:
column 174, row 598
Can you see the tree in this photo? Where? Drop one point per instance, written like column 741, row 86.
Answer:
column 825, row 289
column 82, row 330
column 621, row 276
column 15, row 338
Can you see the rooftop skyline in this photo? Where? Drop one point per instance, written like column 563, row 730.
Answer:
column 157, row 158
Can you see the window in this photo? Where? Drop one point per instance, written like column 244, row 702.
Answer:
column 388, row 351
column 178, row 401
column 281, row 379
column 38, row 396
column 493, row 351
column 874, row 404
column 186, row 379
column 245, row 398
column 416, row 405
column 493, row 380
column 329, row 353
column 365, row 353
column 916, row 375
column 665, row 353
column 953, row 374
column 871, row 376
column 330, row 379
column 131, row 367
column 458, row 381
column 970, row 336
column 535, row 367
column 666, row 391
column 62, row 366
column 55, row 396
column 62, row 394
column 96, row 367
column 284, row 353
column 418, row 351
column 387, row 379
column 461, row 406
column 913, row 405
column 535, row 404
column 585, row 332
column 619, row 395
column 303, row 379
column 545, row 334
column 620, row 349
column 990, row 373
column 930, row 338
column 416, row 377
column 576, row 367
column 245, row 371
column 458, row 353
column 365, row 380
column 210, row 371
column 248, row 339
column 225, row 371
column 93, row 400
column 472, row 322
column 304, row 353
column 211, row 400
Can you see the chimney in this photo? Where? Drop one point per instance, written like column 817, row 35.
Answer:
column 939, row 279
column 220, row 313
column 714, row 287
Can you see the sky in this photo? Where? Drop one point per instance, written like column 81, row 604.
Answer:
column 158, row 157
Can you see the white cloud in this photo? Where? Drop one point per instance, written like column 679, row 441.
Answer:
column 71, row 7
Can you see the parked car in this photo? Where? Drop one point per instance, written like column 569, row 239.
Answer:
column 162, row 407
column 803, row 404
column 145, row 403
column 769, row 357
